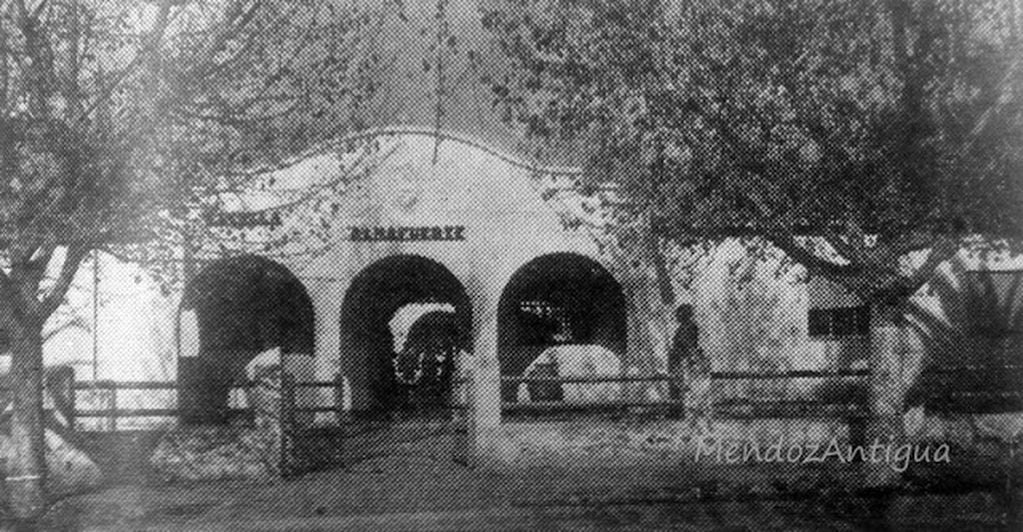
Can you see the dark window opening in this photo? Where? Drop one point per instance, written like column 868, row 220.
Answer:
column 838, row 322
column 540, row 321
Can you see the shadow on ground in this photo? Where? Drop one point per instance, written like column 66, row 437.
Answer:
column 422, row 492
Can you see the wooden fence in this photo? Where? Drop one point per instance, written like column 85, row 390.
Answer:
column 734, row 408
column 64, row 391
column 65, row 400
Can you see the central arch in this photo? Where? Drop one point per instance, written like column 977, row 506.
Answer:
column 368, row 346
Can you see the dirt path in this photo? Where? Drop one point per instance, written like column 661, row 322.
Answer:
column 416, row 492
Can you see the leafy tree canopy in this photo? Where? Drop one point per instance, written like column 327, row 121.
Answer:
column 881, row 127
column 118, row 115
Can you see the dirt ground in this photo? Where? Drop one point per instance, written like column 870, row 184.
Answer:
column 417, row 493
column 417, row 488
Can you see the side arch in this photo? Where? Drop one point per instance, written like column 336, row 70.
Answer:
column 554, row 299
column 240, row 307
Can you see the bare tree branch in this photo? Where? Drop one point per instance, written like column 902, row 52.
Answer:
column 3, row 67
column 77, row 322
column 944, row 249
column 163, row 19
column 235, row 18
column 11, row 295
column 55, row 297
column 797, row 252
column 998, row 103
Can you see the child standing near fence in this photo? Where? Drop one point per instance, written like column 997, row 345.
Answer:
column 690, row 369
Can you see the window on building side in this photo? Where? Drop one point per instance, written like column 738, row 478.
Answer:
column 839, row 321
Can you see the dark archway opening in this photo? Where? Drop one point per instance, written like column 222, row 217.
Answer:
column 244, row 305
column 556, row 299
column 415, row 379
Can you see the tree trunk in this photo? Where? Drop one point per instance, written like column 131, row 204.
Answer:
column 26, row 468
column 662, row 275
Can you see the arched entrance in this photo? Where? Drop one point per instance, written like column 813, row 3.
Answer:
column 242, row 306
column 394, row 369
column 561, row 298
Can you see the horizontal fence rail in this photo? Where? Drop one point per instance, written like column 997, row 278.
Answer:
column 794, row 374
column 126, row 385
column 114, row 413
column 735, row 408
column 996, row 393
column 979, row 369
column 838, row 407
column 715, row 375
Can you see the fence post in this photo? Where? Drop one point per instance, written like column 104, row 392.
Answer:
column 286, row 421
column 72, row 404
column 678, row 385
column 338, row 442
column 339, row 397
column 112, row 417
column 464, row 450
column 460, row 397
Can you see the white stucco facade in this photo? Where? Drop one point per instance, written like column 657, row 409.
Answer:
column 484, row 215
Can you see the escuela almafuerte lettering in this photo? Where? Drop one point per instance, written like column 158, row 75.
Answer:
column 403, row 233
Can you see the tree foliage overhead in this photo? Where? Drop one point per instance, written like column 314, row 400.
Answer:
column 882, row 127
column 117, row 113
column 119, row 117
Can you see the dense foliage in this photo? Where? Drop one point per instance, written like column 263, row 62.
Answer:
column 879, row 127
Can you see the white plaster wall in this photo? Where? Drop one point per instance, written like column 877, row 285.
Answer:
column 422, row 183
column 426, row 182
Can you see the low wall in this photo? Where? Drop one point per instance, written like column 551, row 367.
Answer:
column 965, row 429
column 218, row 452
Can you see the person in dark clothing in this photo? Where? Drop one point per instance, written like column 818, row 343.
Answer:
column 686, row 340
column 684, row 351
column 691, row 370
column 684, row 344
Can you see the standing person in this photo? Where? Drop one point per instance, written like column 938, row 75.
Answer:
column 683, row 345
column 691, row 367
